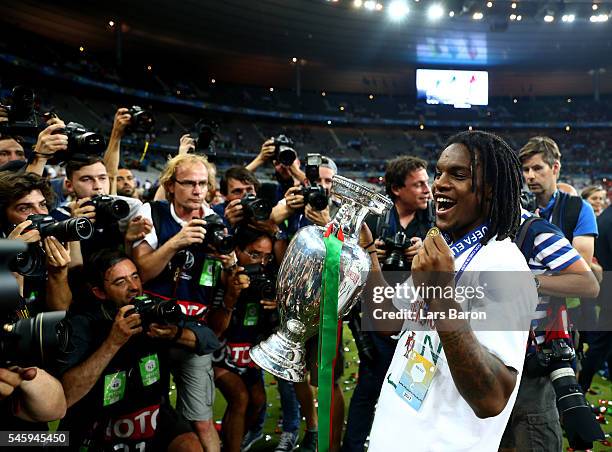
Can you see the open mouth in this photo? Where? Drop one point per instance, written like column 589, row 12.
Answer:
column 444, row 204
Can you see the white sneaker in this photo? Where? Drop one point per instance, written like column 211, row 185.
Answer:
column 287, row 442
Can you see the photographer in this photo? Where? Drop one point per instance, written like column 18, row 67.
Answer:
column 22, row 195
column 242, row 319
column 173, row 263
column 87, row 178
column 559, row 271
column 10, row 150
column 117, row 377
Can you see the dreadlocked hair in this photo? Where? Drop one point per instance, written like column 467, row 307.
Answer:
column 501, row 171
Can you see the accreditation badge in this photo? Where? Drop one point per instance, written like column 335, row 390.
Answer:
column 114, row 387
column 149, row 369
column 415, row 379
column 211, row 271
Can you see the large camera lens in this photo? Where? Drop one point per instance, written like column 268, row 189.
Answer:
column 70, row 230
column 141, row 120
column 316, row 197
column 82, row 141
column 286, row 156
column 30, row 262
column 109, row 210
column 22, row 104
column 168, row 311
column 37, row 341
column 256, row 208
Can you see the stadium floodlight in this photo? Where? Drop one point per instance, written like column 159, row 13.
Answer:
column 358, row 3
column 549, row 18
column 599, row 18
column 435, row 12
column 477, row 15
column 369, row 5
column 398, row 10
column 513, row 6
column 512, row 16
column 489, row 4
column 594, row 7
column 451, row 14
column 568, row 18
column 519, row 17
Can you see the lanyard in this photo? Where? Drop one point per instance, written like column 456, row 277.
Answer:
column 465, row 243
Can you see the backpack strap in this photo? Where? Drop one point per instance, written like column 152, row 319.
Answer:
column 566, row 213
column 520, row 238
column 156, row 207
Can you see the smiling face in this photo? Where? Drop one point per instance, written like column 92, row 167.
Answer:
column 458, row 208
column 121, row 284
column 415, row 192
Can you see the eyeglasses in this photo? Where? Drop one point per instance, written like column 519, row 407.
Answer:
column 192, row 183
column 259, row 257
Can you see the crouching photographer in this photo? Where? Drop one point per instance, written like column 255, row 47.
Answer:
column 244, row 317
column 24, row 215
column 29, row 396
column 117, row 376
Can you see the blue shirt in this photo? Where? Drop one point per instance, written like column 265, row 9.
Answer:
column 586, row 224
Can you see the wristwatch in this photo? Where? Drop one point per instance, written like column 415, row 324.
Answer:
column 537, row 282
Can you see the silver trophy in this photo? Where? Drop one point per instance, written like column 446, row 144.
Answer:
column 300, row 280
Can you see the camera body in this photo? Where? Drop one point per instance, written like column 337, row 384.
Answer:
column 109, row 210
column 528, row 201
column 204, row 137
column 22, row 119
column 156, row 310
column 314, row 195
column 396, row 260
column 142, row 120
column 216, row 237
column 262, row 285
column 80, row 141
column 255, row 208
column 283, row 150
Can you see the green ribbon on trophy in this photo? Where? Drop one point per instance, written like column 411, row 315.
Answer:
column 328, row 334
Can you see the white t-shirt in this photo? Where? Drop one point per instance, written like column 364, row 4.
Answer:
column 151, row 237
column 444, row 420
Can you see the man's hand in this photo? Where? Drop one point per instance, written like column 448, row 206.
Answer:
column 267, row 150
column 11, row 379
column 413, row 249
column 381, row 249
column 31, row 236
column 124, row 327
column 49, row 142
column 318, row 217
column 186, row 144
column 3, row 115
column 294, row 199
column 234, row 212
column 191, row 233
column 236, row 283
column 434, row 264
column 157, row 331
column 121, row 122
column 138, row 228
column 80, row 208
column 58, row 255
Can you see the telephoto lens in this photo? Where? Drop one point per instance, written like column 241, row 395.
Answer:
column 109, row 210
column 69, row 230
column 255, row 208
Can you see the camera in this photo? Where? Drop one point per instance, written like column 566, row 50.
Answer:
column 262, row 285
column 80, row 141
column 283, row 150
column 142, row 121
column 69, row 230
column 528, row 201
column 396, row 260
column 216, row 237
column 21, row 112
column 204, row 137
column 255, row 208
column 554, row 358
column 37, row 341
column 314, row 194
column 108, row 209
column 9, row 289
column 156, row 310
column 32, row 262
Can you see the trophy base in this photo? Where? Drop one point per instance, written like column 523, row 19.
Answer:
column 282, row 357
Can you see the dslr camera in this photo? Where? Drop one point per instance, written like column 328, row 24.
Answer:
column 22, row 118
column 554, row 358
column 528, row 201
column 283, row 150
column 109, row 210
column 80, row 141
column 156, row 310
column 255, row 208
column 262, row 285
column 314, row 194
column 396, row 260
column 142, row 121
column 216, row 237
column 204, row 136
column 33, row 261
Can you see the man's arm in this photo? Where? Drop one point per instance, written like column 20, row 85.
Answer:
column 265, row 154
column 41, row 399
column 59, row 295
column 79, row 380
column 113, row 150
column 585, row 245
column 220, row 316
column 577, row 280
column 49, row 142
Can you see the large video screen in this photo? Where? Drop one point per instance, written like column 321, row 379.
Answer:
column 462, row 89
